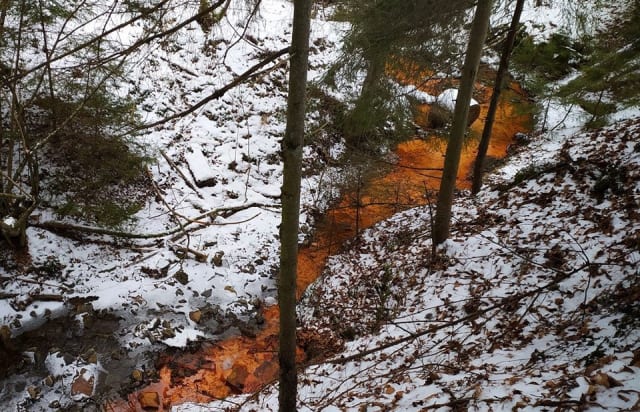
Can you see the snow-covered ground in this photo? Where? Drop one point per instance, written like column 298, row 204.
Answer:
column 531, row 305
column 219, row 168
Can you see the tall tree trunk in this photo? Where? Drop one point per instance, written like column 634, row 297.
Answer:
column 495, row 97
column 441, row 225
column 292, row 152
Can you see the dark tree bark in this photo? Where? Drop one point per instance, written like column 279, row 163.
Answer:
column 441, row 225
column 495, row 98
column 292, row 153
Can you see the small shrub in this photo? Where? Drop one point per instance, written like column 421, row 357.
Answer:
column 548, row 61
column 90, row 173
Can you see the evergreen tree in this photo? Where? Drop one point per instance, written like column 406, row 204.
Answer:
column 609, row 77
column 58, row 113
column 388, row 36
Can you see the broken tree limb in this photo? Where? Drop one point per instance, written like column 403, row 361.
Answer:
column 55, row 226
column 185, row 250
column 47, row 297
column 7, row 295
column 246, row 75
column 175, row 167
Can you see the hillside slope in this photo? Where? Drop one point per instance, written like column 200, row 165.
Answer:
column 532, row 304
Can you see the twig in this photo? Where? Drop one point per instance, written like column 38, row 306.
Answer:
column 179, row 67
column 185, row 250
column 180, row 172
column 246, row 75
column 35, row 282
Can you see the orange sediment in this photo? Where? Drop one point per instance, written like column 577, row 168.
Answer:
column 244, row 364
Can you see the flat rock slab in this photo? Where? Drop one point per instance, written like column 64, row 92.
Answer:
column 200, row 169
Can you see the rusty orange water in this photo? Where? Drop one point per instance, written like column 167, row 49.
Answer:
column 242, row 364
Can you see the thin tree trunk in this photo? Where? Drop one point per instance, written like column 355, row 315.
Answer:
column 292, row 153
column 495, row 97
column 49, row 71
column 441, row 226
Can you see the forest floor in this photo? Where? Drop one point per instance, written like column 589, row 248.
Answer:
column 533, row 304
column 534, row 301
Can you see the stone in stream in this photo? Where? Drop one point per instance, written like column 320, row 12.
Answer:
column 149, row 401
column 82, row 386
column 237, row 378
column 441, row 111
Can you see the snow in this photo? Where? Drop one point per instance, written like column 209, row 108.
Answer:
column 447, row 99
column 564, row 16
column 501, row 247
column 199, row 167
column 9, row 221
column 218, row 171
column 547, row 347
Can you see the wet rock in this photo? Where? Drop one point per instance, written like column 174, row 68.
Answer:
column 82, row 304
column 90, row 356
column 81, row 386
column 237, row 378
column 19, row 386
column 84, row 307
column 55, row 405
column 217, row 258
column 168, row 333
column 182, row 277
column 207, row 293
column 195, row 316
column 68, row 358
column 267, row 370
column 137, row 375
column 49, row 380
column 88, row 320
column 440, row 112
column 34, row 392
column 149, row 401
column 249, row 268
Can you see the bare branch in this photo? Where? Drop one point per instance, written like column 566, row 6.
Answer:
column 55, row 226
column 247, row 74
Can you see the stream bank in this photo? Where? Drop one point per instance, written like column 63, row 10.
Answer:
column 244, row 363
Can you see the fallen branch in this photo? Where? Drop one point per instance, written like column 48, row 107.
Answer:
column 181, row 173
column 4, row 295
column 35, row 282
column 179, row 67
column 246, row 75
column 566, row 402
column 55, row 226
column 47, row 297
column 185, row 250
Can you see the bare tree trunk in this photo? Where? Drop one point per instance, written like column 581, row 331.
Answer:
column 441, row 225
column 292, row 153
column 495, row 97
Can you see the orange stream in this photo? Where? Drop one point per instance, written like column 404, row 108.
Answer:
column 242, row 364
